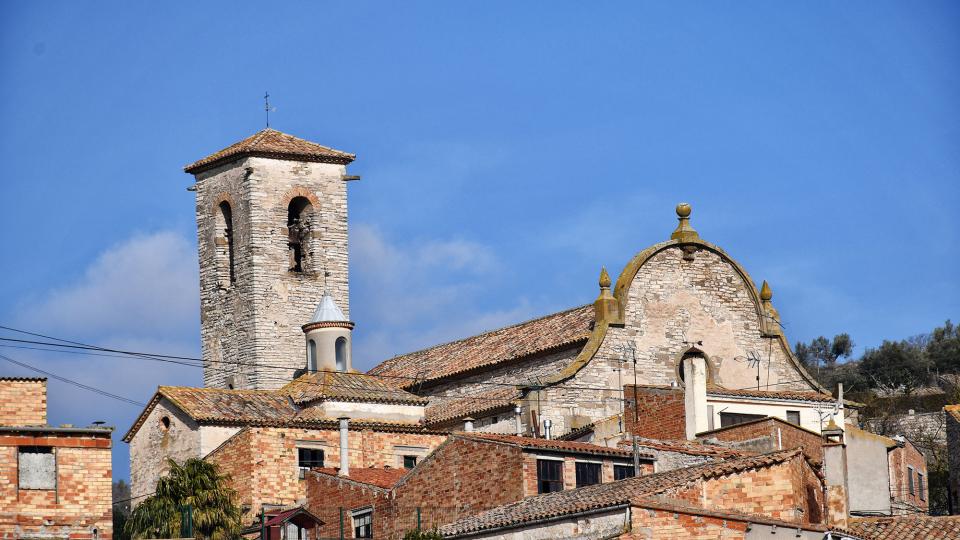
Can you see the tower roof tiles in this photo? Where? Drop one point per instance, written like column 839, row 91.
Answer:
column 271, row 143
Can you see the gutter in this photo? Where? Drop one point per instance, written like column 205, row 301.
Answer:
column 541, row 521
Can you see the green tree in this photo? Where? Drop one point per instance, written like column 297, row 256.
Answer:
column 943, row 348
column 822, row 351
column 198, row 485
column 422, row 535
column 896, row 366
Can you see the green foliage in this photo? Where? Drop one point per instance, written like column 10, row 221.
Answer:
column 896, row 365
column 943, row 348
column 198, row 484
column 822, row 351
column 422, row 535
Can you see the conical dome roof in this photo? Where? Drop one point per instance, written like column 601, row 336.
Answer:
column 328, row 311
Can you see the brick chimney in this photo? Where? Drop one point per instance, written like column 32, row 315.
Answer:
column 835, row 476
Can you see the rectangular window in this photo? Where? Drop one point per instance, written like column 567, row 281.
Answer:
column 309, row 458
column 910, row 480
column 549, row 476
column 588, row 474
column 37, row 467
column 363, row 524
column 793, row 417
column 920, row 489
column 622, row 471
column 732, row 419
column 409, row 462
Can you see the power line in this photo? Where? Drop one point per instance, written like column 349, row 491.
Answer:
column 73, row 382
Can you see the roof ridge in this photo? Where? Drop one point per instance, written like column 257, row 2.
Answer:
column 495, row 330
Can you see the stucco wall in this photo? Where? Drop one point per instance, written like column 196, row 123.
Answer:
column 867, row 473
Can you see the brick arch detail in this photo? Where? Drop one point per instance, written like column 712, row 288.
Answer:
column 299, row 191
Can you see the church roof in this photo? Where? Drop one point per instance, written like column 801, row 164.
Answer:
column 271, row 143
column 328, row 310
column 343, row 386
column 546, row 334
column 443, row 409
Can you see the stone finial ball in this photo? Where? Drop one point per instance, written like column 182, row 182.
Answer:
column 683, row 210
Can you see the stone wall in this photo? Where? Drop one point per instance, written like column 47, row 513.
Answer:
column 23, row 402
column 178, row 438
column 254, row 323
column 79, row 507
column 953, row 457
column 901, row 460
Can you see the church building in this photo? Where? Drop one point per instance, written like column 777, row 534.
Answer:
column 281, row 396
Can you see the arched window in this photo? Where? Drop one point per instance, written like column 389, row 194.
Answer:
column 311, row 355
column 299, row 214
column 341, row 350
column 224, row 245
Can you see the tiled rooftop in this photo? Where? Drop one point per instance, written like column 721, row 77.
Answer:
column 531, row 443
column 272, row 144
column 697, row 448
column 443, row 409
column 906, row 527
column 381, row 477
column 606, row 495
column 343, row 386
column 550, row 333
column 772, row 394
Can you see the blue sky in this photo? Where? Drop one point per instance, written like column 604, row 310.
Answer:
column 507, row 152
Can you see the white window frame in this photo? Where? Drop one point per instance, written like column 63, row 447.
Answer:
column 361, row 512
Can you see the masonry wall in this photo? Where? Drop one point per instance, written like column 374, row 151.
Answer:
column 608, row 524
column 900, row 460
column 262, row 462
column 867, row 471
column 326, row 497
column 154, row 442
column 769, row 436
column 256, row 320
column 77, row 508
column 953, row 457
column 672, row 303
column 23, row 402
column 655, row 413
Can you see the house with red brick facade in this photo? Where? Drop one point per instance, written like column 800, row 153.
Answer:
column 469, row 473
column 55, row 482
column 724, row 499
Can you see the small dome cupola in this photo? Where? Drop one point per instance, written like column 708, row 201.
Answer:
column 328, row 336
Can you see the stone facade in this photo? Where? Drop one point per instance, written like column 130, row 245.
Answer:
column 953, row 456
column 250, row 325
column 23, row 402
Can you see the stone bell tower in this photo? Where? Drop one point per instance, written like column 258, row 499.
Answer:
column 272, row 236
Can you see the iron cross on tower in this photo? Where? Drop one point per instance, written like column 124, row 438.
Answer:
column 266, row 106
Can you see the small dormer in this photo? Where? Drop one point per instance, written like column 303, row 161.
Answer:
column 329, row 338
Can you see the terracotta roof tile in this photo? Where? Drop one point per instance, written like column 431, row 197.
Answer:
column 25, row 379
column 906, row 527
column 443, row 409
column 682, row 446
column 203, row 404
column 772, row 394
column 271, row 143
column 342, row 386
column 381, row 477
column 549, row 333
column 551, row 444
column 606, row 495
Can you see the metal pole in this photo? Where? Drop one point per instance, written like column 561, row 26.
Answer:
column 341, row 523
column 263, row 524
column 636, row 457
column 418, row 519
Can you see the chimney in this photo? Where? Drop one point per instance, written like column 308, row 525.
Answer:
column 695, row 394
column 546, row 428
column 468, row 424
column 835, row 483
column 519, row 412
column 344, row 447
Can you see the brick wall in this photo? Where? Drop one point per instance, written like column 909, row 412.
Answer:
column 657, row 524
column 659, row 412
column 81, row 501
column 900, row 460
column 262, row 462
column 770, row 435
column 23, row 402
column 326, row 497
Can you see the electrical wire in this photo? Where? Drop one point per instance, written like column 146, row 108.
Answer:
column 73, row 382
